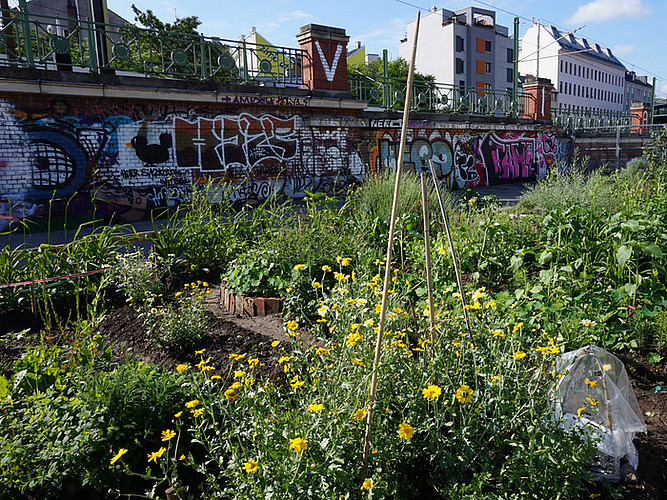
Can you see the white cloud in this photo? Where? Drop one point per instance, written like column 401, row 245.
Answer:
column 663, row 90
column 607, row 10
column 623, row 50
column 293, row 16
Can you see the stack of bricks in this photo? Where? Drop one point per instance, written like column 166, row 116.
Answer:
column 242, row 305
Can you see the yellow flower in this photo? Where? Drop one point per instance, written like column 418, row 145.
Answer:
column 432, row 392
column 253, row 362
column 275, row 343
column 592, row 401
column 152, row 457
column 216, row 377
column 360, row 414
column 181, row 368
column 116, row 457
column 182, row 457
column 353, row 338
column 192, row 404
column 237, row 357
column 315, row 407
column 316, row 284
column 588, row 322
column 519, row 355
column 378, row 262
column 405, row 431
column 292, row 325
column 368, row 484
column 442, row 250
column 590, row 383
column 251, row 466
column 579, row 412
column 231, row 394
column 517, row 327
column 498, row 333
column 299, row 267
column 239, row 373
column 357, row 362
column 168, row 434
column 178, row 294
column 295, row 382
column 322, row 311
column 198, row 412
column 178, row 414
column 464, row 394
column 298, row 444
column 236, row 385
column 201, row 351
column 326, row 269
column 250, row 381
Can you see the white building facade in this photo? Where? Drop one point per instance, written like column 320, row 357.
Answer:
column 465, row 48
column 587, row 78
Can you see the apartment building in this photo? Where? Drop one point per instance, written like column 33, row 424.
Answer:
column 586, row 76
column 637, row 89
column 464, row 47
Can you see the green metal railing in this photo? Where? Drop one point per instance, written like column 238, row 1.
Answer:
column 389, row 93
column 599, row 120
column 45, row 42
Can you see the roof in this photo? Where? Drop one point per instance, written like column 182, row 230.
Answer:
column 571, row 43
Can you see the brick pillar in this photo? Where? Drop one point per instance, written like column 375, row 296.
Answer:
column 325, row 68
column 640, row 114
column 538, row 106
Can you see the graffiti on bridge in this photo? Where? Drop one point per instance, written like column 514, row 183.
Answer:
column 126, row 164
column 465, row 159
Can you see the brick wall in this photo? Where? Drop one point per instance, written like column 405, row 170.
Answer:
column 121, row 156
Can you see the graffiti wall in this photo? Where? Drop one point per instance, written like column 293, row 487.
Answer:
column 118, row 159
column 471, row 159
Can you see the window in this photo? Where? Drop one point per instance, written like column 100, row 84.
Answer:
column 561, row 66
column 459, row 43
column 462, row 85
column 459, row 66
column 487, row 46
column 510, row 56
column 510, row 74
column 487, row 67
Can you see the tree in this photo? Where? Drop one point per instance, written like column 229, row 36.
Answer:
column 398, row 68
column 186, row 25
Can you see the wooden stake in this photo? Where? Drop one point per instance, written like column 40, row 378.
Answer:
column 451, row 246
column 390, row 244
column 427, row 253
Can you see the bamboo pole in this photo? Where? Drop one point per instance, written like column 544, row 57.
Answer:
column 445, row 219
column 390, row 244
column 427, row 253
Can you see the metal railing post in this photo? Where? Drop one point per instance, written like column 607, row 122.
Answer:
column 26, row 34
column 385, row 81
column 246, row 76
column 92, row 49
column 204, row 71
column 618, row 147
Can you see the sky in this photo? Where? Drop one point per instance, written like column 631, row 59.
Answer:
column 635, row 30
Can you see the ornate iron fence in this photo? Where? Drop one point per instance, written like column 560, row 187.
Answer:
column 389, row 93
column 45, row 42
column 598, row 120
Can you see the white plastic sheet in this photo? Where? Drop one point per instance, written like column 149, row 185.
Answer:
column 595, row 394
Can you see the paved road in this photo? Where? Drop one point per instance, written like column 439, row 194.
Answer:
column 508, row 194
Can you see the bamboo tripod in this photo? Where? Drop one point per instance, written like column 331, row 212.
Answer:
column 390, row 244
